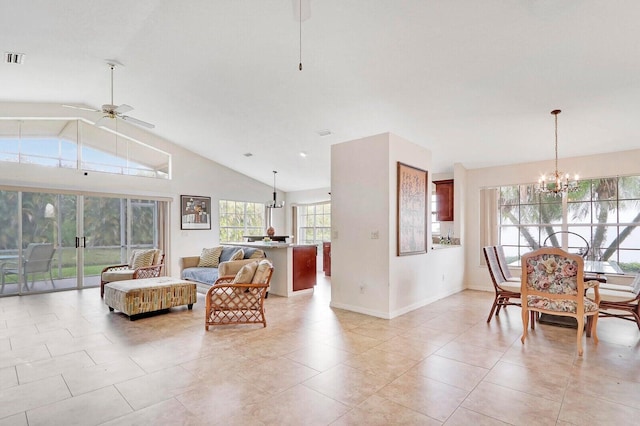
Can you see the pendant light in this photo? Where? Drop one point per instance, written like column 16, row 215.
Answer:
column 274, row 204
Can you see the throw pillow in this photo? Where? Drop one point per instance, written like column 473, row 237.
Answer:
column 257, row 254
column 262, row 272
column 133, row 254
column 210, row 257
column 245, row 274
column 227, row 252
column 143, row 258
column 239, row 255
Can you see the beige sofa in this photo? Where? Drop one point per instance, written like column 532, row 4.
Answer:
column 205, row 277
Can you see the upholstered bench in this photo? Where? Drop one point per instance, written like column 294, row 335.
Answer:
column 133, row 297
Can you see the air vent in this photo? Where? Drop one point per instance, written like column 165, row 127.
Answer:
column 13, row 58
column 324, row 132
column 248, row 154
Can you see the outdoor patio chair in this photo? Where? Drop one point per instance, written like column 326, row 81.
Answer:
column 37, row 258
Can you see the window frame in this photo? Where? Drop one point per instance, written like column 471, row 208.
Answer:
column 581, row 212
column 324, row 230
column 242, row 229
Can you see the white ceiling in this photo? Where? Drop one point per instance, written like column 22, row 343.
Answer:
column 473, row 81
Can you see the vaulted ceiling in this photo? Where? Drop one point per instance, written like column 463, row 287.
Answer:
column 473, row 81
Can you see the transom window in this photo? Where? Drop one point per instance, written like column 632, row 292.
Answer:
column 605, row 212
column 77, row 144
column 315, row 223
column 240, row 218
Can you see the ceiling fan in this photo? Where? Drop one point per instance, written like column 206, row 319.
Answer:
column 112, row 111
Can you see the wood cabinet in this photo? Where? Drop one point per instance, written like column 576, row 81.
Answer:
column 304, row 267
column 326, row 259
column 444, row 200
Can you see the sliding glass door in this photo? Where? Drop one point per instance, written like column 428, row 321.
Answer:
column 52, row 241
column 112, row 228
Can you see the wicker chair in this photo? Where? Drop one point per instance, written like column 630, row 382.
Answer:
column 232, row 302
column 126, row 272
column 620, row 301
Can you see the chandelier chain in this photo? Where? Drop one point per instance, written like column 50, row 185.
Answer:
column 556, row 117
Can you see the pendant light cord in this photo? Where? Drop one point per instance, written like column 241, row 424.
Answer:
column 300, row 10
column 111, row 66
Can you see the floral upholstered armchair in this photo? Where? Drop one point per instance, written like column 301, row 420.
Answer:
column 553, row 283
column 142, row 264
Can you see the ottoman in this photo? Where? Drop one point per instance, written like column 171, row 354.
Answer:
column 133, row 297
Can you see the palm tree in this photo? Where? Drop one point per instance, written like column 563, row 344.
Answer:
column 593, row 202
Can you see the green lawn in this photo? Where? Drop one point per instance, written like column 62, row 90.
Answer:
column 95, row 260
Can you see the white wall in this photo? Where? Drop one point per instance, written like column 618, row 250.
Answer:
column 602, row 165
column 192, row 175
column 360, row 205
column 367, row 275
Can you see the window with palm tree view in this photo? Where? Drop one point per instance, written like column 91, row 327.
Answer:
column 605, row 212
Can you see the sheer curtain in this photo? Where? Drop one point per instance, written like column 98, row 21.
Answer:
column 163, row 233
column 488, row 219
column 294, row 223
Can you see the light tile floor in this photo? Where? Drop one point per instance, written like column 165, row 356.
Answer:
column 66, row 360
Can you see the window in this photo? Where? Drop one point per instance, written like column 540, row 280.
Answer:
column 240, row 218
column 605, row 212
column 435, row 225
column 77, row 144
column 315, row 223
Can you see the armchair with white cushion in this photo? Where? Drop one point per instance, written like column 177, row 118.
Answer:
column 142, row 264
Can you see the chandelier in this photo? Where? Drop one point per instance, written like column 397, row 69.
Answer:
column 274, row 204
column 557, row 183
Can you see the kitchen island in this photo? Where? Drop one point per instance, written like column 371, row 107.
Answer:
column 294, row 266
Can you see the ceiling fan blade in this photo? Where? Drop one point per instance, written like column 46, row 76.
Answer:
column 102, row 121
column 82, row 108
column 123, row 108
column 136, row 121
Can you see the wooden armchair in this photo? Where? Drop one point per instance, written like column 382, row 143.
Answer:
column 553, row 283
column 505, row 290
column 239, row 299
column 127, row 272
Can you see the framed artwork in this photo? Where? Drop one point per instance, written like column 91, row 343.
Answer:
column 195, row 212
column 412, row 210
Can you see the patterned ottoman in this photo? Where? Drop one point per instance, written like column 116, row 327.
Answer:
column 133, row 297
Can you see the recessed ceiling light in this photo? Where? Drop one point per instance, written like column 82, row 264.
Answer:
column 324, row 132
column 248, row 154
column 13, row 58
column 303, row 154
